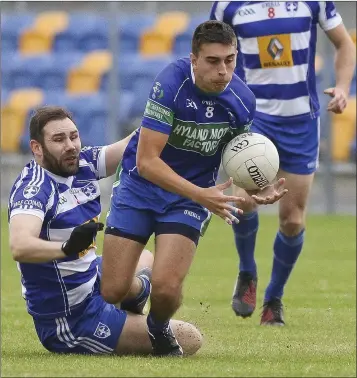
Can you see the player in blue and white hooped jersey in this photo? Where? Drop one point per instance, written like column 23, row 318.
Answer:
column 54, row 211
column 167, row 183
column 276, row 56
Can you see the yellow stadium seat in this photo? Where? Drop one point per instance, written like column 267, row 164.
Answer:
column 159, row 38
column 100, row 60
column 172, row 21
column 13, row 116
column 86, row 77
column 39, row 37
column 353, row 35
column 343, row 131
column 155, row 43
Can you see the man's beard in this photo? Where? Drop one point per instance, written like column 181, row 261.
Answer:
column 60, row 167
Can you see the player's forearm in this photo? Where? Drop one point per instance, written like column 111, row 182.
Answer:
column 159, row 173
column 35, row 250
column 345, row 63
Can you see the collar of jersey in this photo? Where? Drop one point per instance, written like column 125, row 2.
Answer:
column 61, row 180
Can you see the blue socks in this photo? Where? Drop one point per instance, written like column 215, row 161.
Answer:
column 286, row 252
column 154, row 325
column 245, row 233
column 145, row 292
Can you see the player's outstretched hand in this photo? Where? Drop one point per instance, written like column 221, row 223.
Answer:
column 270, row 193
column 339, row 100
column 81, row 237
column 217, row 202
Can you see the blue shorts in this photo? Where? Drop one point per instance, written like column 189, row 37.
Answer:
column 135, row 217
column 93, row 328
column 297, row 143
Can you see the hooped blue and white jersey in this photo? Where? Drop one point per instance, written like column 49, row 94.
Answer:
column 276, row 52
column 199, row 125
column 54, row 288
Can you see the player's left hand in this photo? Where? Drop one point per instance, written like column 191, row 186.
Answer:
column 271, row 193
column 339, row 100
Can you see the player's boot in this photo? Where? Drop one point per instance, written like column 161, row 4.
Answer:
column 137, row 305
column 245, row 295
column 164, row 344
column 273, row 313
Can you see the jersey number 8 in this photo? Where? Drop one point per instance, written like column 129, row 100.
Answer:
column 209, row 111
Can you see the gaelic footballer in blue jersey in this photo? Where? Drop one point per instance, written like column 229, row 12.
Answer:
column 54, row 208
column 276, row 56
column 167, row 183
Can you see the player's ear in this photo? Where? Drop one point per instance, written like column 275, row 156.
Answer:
column 193, row 59
column 36, row 147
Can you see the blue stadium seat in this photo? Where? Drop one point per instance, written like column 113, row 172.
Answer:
column 130, row 30
column 85, row 32
column 4, row 96
column 182, row 44
column 24, row 71
column 54, row 74
column 12, row 25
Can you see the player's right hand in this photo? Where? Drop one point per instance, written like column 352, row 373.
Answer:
column 81, row 237
column 217, row 202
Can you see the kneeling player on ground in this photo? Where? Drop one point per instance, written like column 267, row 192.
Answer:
column 54, row 208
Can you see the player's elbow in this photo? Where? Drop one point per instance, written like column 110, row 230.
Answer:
column 143, row 166
column 18, row 250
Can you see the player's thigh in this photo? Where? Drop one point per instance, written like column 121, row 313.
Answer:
column 177, row 235
column 134, row 338
column 146, row 259
column 173, row 257
column 292, row 207
column 128, row 230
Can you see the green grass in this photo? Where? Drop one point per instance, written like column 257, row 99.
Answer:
column 318, row 340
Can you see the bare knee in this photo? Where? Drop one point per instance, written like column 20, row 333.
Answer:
column 292, row 223
column 112, row 294
column 167, row 291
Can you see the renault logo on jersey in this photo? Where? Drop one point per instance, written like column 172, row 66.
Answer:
column 275, row 48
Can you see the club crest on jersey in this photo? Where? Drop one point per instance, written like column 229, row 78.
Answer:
column 157, row 91
column 102, row 331
column 30, row 191
column 291, row 6
column 90, row 190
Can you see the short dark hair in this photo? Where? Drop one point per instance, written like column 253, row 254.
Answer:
column 42, row 116
column 212, row 32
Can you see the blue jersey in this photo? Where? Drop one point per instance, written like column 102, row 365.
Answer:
column 199, row 125
column 276, row 52
column 56, row 287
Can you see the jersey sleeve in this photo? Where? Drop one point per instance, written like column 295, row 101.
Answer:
column 160, row 107
column 95, row 157
column 328, row 16
column 31, row 196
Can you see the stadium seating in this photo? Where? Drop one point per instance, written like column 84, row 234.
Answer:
column 63, row 58
column 38, row 38
column 130, row 30
column 14, row 114
column 86, row 78
column 90, row 113
column 84, row 32
column 159, row 39
column 12, row 26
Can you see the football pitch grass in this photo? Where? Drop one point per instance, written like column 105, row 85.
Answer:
column 320, row 311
